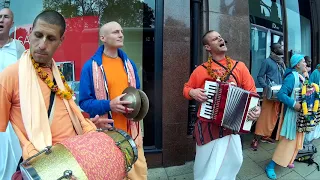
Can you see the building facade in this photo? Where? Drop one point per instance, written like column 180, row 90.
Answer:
column 163, row 37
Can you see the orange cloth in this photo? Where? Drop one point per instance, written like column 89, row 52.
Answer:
column 139, row 170
column 286, row 151
column 61, row 127
column 268, row 117
column 117, row 80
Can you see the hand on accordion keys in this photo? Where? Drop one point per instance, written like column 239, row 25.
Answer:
column 198, row 94
column 254, row 113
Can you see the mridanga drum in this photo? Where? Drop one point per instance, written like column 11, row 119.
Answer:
column 105, row 155
column 125, row 143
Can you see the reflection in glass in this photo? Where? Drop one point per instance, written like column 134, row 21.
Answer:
column 266, row 9
column 258, row 51
column 67, row 69
column 299, row 27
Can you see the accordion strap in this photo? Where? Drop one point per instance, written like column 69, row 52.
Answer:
column 230, row 73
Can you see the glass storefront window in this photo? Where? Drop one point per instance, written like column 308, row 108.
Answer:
column 266, row 13
column 266, row 29
column 258, row 48
column 299, row 27
column 84, row 18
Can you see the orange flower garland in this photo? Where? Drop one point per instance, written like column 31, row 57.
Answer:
column 213, row 75
column 67, row 94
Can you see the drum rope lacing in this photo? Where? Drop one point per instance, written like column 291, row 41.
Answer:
column 46, row 150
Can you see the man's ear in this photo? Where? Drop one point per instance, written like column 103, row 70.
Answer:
column 207, row 47
column 102, row 38
column 12, row 24
column 61, row 40
column 30, row 31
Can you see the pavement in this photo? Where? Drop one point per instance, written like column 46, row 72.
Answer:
column 252, row 168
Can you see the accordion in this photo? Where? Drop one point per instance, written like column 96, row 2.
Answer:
column 304, row 124
column 228, row 106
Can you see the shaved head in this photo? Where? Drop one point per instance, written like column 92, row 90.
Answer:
column 51, row 17
column 6, row 22
column 7, row 11
column 111, row 34
column 106, row 28
column 205, row 37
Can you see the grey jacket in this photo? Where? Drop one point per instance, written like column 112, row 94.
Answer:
column 269, row 72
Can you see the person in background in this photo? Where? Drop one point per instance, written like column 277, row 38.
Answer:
column 112, row 71
column 10, row 52
column 291, row 141
column 309, row 137
column 271, row 73
column 308, row 62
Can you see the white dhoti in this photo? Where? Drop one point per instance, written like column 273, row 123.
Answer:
column 220, row 159
column 10, row 153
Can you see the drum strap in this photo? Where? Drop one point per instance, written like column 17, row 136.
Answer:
column 52, row 95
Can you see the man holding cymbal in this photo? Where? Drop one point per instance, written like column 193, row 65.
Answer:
column 109, row 86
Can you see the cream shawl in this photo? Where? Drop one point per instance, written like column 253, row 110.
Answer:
column 33, row 109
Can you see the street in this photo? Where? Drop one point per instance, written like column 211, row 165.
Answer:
column 252, row 168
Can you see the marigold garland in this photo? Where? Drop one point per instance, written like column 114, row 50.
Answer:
column 213, row 75
column 304, row 102
column 67, row 94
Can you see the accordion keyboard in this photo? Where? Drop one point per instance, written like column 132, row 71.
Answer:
column 206, row 110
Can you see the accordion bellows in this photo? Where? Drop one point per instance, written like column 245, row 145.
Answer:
column 228, row 106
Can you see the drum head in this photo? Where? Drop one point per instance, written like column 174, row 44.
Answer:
column 52, row 165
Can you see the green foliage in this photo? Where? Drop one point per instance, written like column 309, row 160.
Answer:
column 129, row 13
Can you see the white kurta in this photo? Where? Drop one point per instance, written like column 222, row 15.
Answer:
column 220, row 159
column 10, row 150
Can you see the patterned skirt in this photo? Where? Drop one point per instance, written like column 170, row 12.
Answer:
column 305, row 125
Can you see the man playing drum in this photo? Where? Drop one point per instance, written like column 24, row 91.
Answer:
column 34, row 95
column 218, row 150
column 271, row 73
column 103, row 79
